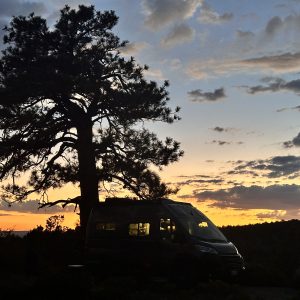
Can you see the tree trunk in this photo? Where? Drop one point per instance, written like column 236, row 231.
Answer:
column 87, row 171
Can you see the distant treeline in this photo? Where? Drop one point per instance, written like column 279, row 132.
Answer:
column 271, row 251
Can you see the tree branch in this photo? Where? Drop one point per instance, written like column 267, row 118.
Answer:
column 64, row 202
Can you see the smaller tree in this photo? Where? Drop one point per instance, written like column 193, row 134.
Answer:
column 53, row 223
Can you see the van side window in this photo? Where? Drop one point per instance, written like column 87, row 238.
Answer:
column 167, row 228
column 139, row 229
column 106, row 226
column 103, row 229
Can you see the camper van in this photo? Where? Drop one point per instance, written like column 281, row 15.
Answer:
column 158, row 235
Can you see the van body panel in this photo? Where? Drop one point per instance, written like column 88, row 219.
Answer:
column 158, row 234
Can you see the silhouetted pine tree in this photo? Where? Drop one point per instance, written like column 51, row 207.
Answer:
column 73, row 110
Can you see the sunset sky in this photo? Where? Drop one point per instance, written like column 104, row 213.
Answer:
column 233, row 68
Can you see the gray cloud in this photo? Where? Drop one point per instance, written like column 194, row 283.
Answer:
column 273, row 26
column 160, row 13
column 3, row 23
column 244, row 34
column 282, row 62
column 179, row 34
column 289, row 23
column 222, row 143
column 200, row 181
column 276, row 214
column 289, row 108
column 294, row 142
column 277, row 166
column 199, row 96
column 219, row 129
column 276, row 85
column 8, row 8
column 281, row 28
column 72, row 3
column 276, row 197
column 209, row 16
column 279, row 35
column 222, row 129
column 282, row 5
column 194, row 176
column 31, row 206
column 243, row 172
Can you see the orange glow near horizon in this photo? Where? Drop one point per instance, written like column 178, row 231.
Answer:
column 18, row 221
column 220, row 217
column 27, row 221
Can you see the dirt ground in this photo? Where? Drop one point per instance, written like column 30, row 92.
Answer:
column 271, row 293
column 128, row 288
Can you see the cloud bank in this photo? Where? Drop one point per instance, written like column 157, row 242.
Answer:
column 31, row 206
column 277, row 64
column 275, row 197
column 275, row 167
column 275, row 85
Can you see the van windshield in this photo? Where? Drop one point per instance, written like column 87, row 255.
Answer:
column 196, row 223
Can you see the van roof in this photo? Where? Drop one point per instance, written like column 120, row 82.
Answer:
column 121, row 207
column 112, row 201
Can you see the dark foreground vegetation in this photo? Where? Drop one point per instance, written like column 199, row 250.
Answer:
column 37, row 266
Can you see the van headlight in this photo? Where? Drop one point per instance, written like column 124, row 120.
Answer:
column 205, row 249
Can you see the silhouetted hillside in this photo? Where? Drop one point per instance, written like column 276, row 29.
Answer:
column 31, row 264
column 271, row 251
